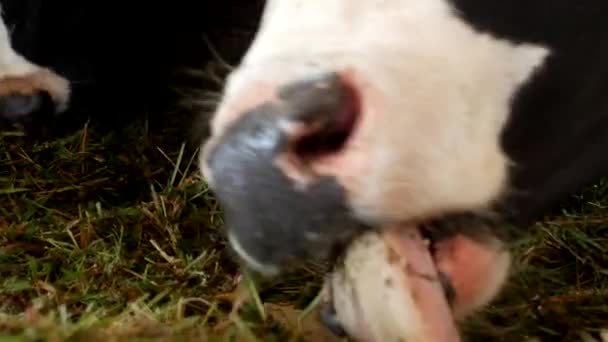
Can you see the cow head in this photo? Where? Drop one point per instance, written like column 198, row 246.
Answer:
column 349, row 116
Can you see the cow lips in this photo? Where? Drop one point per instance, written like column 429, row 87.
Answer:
column 387, row 288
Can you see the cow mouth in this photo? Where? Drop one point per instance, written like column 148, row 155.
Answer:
column 428, row 264
column 323, row 136
column 416, row 243
column 437, row 251
column 421, row 257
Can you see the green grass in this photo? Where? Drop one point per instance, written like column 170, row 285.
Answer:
column 122, row 240
column 116, row 237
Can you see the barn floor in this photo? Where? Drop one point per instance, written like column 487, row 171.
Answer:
column 115, row 237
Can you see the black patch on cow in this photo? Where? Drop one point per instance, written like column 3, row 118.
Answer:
column 557, row 133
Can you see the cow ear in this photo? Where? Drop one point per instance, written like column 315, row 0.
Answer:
column 524, row 58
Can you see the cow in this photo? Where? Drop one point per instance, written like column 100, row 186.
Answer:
column 102, row 62
column 463, row 120
column 27, row 88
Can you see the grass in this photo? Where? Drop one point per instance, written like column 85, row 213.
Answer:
column 115, row 235
column 112, row 237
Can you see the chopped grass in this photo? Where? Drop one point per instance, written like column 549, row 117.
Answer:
column 116, row 237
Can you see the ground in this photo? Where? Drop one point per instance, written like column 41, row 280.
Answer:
column 115, row 237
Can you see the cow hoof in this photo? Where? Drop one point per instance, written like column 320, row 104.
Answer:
column 38, row 94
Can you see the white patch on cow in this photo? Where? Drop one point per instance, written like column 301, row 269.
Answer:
column 19, row 75
column 435, row 92
column 11, row 63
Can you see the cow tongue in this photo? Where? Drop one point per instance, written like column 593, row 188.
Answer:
column 420, row 273
column 388, row 289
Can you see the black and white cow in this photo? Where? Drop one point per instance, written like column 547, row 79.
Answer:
column 63, row 63
column 469, row 118
column 26, row 87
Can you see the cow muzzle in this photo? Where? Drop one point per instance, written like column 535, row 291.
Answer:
column 277, row 209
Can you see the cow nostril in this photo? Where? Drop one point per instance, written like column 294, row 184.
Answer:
column 329, row 109
column 333, row 137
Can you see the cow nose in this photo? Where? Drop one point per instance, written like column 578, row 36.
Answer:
column 276, row 210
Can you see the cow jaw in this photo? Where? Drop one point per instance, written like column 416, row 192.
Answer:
column 388, row 289
column 394, row 286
